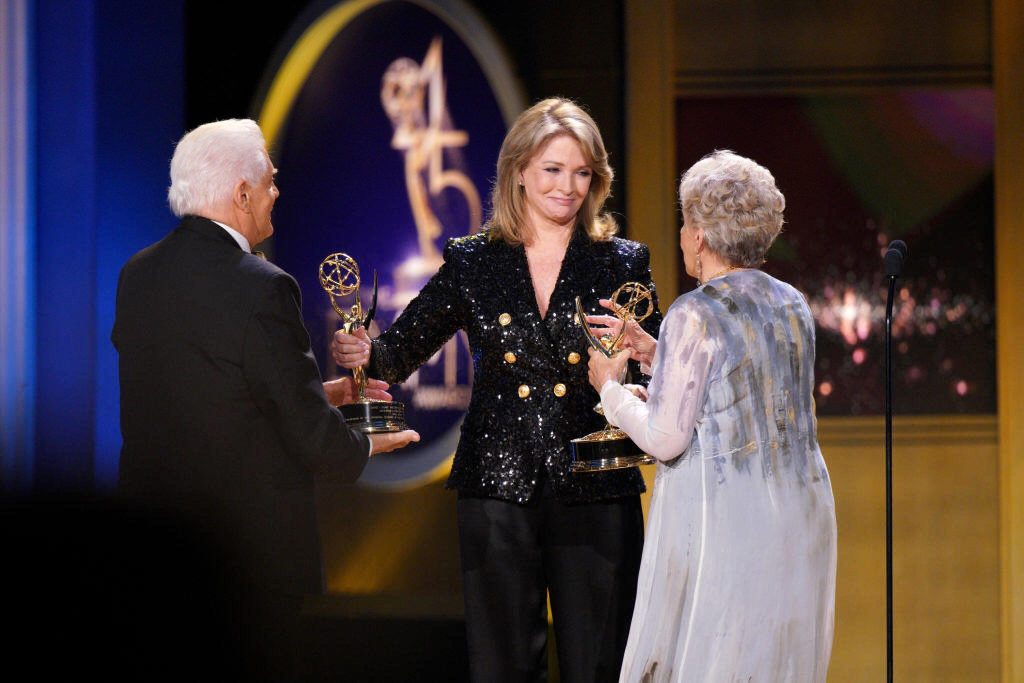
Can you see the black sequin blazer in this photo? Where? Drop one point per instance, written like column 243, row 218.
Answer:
column 530, row 389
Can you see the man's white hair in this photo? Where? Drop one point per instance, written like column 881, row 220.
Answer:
column 210, row 161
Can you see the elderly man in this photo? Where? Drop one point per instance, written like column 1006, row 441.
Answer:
column 224, row 415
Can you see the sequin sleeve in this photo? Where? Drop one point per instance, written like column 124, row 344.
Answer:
column 429, row 320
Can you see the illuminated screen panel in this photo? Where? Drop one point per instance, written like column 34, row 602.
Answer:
column 385, row 120
column 859, row 170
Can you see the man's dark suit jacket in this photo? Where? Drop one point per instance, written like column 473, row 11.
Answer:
column 223, row 413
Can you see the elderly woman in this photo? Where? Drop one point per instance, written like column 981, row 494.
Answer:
column 528, row 527
column 737, row 581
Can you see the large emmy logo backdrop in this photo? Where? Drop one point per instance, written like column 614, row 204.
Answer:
column 385, row 119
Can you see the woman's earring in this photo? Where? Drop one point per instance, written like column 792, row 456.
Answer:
column 700, row 271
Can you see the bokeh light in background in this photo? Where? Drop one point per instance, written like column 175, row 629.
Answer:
column 859, row 170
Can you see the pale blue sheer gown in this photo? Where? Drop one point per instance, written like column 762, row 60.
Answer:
column 737, row 581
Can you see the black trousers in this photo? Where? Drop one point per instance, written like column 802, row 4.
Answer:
column 586, row 555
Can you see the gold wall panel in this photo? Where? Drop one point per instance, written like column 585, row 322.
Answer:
column 1008, row 69
column 831, row 39
column 945, row 547
column 650, row 141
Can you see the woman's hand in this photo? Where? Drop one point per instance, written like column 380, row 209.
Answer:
column 641, row 344
column 351, row 350
column 601, row 368
column 342, row 391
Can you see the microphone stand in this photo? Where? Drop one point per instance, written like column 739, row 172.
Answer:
column 888, row 478
column 894, row 257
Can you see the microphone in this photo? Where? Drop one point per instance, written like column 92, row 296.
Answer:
column 895, row 255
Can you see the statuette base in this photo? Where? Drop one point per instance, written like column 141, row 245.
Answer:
column 608, row 449
column 371, row 417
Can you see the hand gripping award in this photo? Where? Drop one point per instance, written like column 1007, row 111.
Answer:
column 611, row 448
column 339, row 277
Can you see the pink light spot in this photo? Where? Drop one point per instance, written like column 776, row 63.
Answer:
column 961, row 388
column 859, row 356
column 825, row 388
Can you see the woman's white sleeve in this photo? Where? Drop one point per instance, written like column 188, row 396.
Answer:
column 663, row 426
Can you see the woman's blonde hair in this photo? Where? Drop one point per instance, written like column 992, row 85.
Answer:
column 737, row 203
column 532, row 130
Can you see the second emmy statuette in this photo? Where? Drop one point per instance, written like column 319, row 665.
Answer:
column 611, row 448
column 339, row 276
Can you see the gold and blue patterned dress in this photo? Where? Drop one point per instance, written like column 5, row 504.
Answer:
column 737, row 581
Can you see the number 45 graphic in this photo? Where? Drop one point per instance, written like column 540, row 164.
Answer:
column 422, row 134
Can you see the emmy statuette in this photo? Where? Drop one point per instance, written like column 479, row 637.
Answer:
column 339, row 277
column 611, row 448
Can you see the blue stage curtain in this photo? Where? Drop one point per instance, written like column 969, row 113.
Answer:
column 109, row 91
column 17, row 280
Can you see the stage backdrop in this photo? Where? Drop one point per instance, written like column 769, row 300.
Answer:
column 385, row 120
column 859, row 170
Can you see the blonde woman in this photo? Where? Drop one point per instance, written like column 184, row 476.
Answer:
column 527, row 525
